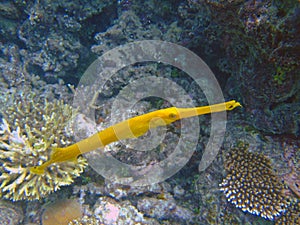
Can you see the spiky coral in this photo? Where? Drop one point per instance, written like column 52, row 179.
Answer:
column 252, row 185
column 31, row 127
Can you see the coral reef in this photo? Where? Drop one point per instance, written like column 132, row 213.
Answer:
column 257, row 49
column 9, row 14
column 85, row 221
column 165, row 208
column 62, row 212
column 204, row 197
column 292, row 177
column 106, row 210
column 32, row 212
column 10, row 213
column 127, row 29
column 251, row 184
column 55, row 52
column 292, row 180
column 31, row 126
column 291, row 216
column 118, row 191
column 262, row 72
column 51, row 53
column 121, row 205
column 123, row 213
column 254, row 45
column 15, row 77
column 13, row 72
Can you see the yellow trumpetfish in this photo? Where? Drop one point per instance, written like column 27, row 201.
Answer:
column 130, row 128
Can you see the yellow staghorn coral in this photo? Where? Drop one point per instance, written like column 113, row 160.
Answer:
column 252, row 185
column 30, row 128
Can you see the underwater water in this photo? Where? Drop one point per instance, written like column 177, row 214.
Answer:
column 149, row 112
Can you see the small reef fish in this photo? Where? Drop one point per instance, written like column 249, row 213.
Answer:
column 130, row 128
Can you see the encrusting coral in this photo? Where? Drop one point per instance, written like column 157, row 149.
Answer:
column 31, row 126
column 252, row 185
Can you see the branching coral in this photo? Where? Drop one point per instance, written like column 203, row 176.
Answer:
column 31, row 126
column 252, row 185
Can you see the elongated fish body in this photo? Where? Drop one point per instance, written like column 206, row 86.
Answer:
column 130, row 128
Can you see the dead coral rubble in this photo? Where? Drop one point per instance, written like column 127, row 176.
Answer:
column 252, row 185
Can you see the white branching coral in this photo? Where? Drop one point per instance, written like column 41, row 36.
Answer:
column 30, row 128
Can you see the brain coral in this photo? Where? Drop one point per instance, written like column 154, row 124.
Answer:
column 30, row 127
column 252, row 185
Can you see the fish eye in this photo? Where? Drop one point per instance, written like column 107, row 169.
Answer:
column 172, row 116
